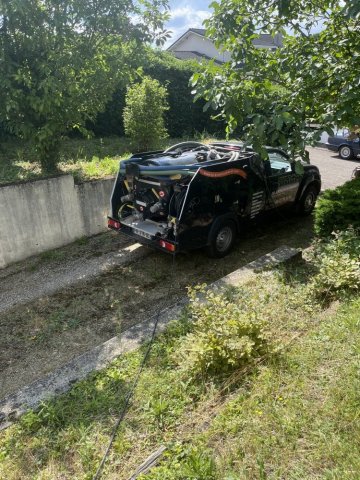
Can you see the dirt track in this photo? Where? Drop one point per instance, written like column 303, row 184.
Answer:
column 46, row 333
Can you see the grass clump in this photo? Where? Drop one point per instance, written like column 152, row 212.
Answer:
column 94, row 169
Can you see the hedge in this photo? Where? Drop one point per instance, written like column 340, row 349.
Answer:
column 184, row 117
column 338, row 208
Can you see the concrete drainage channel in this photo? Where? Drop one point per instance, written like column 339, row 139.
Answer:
column 61, row 380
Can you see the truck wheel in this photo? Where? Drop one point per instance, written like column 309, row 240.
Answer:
column 346, row 152
column 307, row 201
column 221, row 239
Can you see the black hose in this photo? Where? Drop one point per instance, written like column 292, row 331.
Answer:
column 179, row 200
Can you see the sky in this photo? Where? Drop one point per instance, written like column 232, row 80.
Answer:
column 186, row 14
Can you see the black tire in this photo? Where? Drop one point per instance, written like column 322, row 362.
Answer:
column 307, row 201
column 345, row 152
column 221, row 239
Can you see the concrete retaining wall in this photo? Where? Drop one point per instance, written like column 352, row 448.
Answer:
column 45, row 214
column 94, row 201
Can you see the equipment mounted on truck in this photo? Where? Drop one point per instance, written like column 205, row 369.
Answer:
column 194, row 195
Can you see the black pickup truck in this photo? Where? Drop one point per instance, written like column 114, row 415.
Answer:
column 194, row 195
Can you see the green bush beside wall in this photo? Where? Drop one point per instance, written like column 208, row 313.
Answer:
column 338, row 208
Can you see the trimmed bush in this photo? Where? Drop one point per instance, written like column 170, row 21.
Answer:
column 144, row 123
column 338, row 209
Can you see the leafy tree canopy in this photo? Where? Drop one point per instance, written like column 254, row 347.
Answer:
column 275, row 94
column 62, row 59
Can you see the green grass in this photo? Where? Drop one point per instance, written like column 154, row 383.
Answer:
column 94, row 169
column 293, row 413
column 299, row 419
column 18, row 160
column 86, row 159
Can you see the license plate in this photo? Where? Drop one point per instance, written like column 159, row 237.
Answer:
column 142, row 234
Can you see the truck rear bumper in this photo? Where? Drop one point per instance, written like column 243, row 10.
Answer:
column 157, row 243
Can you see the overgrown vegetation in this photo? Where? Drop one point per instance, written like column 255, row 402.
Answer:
column 62, row 63
column 339, row 208
column 338, row 262
column 144, row 123
column 264, row 417
column 225, row 336
column 86, row 159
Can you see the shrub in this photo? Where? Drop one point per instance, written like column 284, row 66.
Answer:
column 338, row 208
column 146, row 103
column 338, row 261
column 225, row 336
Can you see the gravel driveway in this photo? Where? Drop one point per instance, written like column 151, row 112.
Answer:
column 334, row 171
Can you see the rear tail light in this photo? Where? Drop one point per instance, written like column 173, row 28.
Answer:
column 114, row 224
column 170, row 247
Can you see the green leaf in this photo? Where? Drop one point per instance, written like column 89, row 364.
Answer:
column 299, row 168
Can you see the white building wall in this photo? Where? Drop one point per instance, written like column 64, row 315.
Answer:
column 196, row 43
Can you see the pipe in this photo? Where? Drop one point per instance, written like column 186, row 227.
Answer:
column 186, row 144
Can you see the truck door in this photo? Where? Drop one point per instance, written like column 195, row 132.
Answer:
column 283, row 181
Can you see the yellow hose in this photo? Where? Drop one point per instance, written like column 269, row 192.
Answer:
column 122, row 206
column 155, row 193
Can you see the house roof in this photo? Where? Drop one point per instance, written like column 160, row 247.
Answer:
column 197, row 31
column 265, row 39
column 183, row 55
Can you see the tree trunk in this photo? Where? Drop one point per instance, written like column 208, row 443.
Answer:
column 49, row 150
